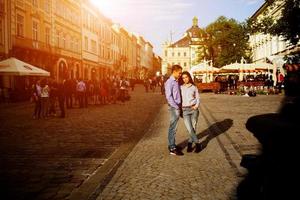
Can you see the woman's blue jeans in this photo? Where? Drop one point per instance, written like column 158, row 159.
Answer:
column 190, row 117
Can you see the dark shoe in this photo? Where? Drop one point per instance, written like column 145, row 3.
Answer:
column 189, row 147
column 198, row 147
column 176, row 152
column 179, row 148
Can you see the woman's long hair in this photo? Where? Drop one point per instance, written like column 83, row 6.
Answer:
column 189, row 76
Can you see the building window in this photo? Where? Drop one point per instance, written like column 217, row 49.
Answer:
column 63, row 41
column 178, row 54
column 47, row 34
column 47, row 6
column 173, row 54
column 184, row 64
column 35, row 3
column 93, row 46
column 71, row 44
column 35, row 31
column 1, row 31
column 20, row 25
column 86, row 43
column 166, row 53
column 56, row 38
column 76, row 46
column 68, row 46
column 184, row 54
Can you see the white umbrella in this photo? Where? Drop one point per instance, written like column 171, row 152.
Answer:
column 15, row 67
column 203, row 68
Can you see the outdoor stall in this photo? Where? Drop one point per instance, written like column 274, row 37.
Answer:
column 14, row 78
column 204, row 77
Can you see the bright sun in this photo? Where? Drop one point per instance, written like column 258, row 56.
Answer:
column 105, row 6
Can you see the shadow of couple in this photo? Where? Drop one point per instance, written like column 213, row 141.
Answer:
column 211, row 132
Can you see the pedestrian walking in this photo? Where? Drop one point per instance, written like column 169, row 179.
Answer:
column 81, row 89
column 162, row 85
column 173, row 97
column 123, row 87
column 69, row 93
column 61, row 95
column 45, row 93
column 36, row 97
column 190, row 108
column 52, row 97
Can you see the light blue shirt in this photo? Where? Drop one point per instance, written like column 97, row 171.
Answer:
column 172, row 91
column 190, row 96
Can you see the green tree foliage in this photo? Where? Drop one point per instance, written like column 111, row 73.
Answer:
column 226, row 42
column 287, row 25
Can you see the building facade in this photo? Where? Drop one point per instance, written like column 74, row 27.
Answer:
column 185, row 51
column 90, row 41
column 266, row 47
column 157, row 61
column 66, row 40
column 69, row 38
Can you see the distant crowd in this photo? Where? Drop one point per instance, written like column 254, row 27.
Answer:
column 70, row 93
column 51, row 97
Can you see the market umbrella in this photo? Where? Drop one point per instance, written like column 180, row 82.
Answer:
column 203, row 68
column 15, row 67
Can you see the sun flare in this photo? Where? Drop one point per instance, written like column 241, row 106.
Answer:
column 105, row 6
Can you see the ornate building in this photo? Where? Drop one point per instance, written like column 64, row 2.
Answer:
column 267, row 47
column 90, row 42
column 185, row 51
column 66, row 39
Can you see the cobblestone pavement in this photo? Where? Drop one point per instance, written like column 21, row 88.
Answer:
column 49, row 159
column 149, row 172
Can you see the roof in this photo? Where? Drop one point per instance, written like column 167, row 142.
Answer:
column 183, row 42
column 260, row 10
column 195, row 32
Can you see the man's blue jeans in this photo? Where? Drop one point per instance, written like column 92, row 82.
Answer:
column 190, row 117
column 174, row 117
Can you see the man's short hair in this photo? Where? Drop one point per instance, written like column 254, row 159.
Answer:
column 176, row 68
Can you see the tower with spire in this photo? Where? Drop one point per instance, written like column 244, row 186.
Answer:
column 186, row 50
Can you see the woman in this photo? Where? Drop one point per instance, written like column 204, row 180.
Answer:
column 45, row 92
column 36, row 95
column 190, row 105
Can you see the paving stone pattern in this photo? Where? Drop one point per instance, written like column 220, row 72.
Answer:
column 149, row 172
column 49, row 158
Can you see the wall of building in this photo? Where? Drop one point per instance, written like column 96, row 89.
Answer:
column 68, row 38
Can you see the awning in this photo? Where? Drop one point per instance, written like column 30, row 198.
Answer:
column 15, row 67
column 203, row 68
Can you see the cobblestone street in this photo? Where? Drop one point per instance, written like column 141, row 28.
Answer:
column 49, row 158
column 84, row 156
column 149, row 172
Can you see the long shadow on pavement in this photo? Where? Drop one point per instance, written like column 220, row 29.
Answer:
column 210, row 133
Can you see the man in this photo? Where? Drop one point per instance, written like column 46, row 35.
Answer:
column 81, row 89
column 172, row 91
column 61, row 92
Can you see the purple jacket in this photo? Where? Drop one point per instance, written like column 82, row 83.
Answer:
column 172, row 91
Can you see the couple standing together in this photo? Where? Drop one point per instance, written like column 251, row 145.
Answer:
column 183, row 99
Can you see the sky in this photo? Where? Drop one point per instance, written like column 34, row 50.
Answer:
column 156, row 19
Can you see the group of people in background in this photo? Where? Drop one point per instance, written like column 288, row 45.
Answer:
column 47, row 93
column 151, row 84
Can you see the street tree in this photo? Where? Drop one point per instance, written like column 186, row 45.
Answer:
column 226, row 42
column 286, row 25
